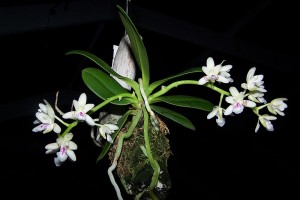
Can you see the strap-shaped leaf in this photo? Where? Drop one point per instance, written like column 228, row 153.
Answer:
column 104, row 66
column 175, row 116
column 186, row 101
column 137, row 46
column 103, row 85
column 120, row 124
column 159, row 82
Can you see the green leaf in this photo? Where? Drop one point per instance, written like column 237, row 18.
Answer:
column 176, row 117
column 120, row 124
column 186, row 101
column 104, row 66
column 103, row 85
column 137, row 46
column 159, row 82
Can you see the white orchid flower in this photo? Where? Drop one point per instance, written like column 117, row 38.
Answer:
column 254, row 83
column 64, row 148
column 81, row 108
column 215, row 73
column 46, row 119
column 106, row 130
column 265, row 120
column 218, row 112
column 277, row 106
column 237, row 102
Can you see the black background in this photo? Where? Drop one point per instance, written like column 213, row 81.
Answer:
column 210, row 163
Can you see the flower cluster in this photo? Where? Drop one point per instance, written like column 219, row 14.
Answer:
column 64, row 147
column 253, row 89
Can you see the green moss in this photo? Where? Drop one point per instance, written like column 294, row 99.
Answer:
column 134, row 168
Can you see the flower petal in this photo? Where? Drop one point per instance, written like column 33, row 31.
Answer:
column 38, row 128
column 226, row 68
column 62, row 157
column 223, row 79
column 50, row 110
column 56, row 128
column 210, row 62
column 109, row 139
column 69, row 115
column 88, row 107
column 57, row 162
column 249, row 104
column 44, row 118
column 212, row 113
column 250, row 73
column 220, row 121
column 228, row 110
column 102, row 132
column 71, row 155
column 72, row 145
column 82, row 99
column 52, row 146
column 202, row 81
column 112, row 127
column 43, row 108
column 89, row 120
column 257, row 126
column 230, row 100
column 233, row 91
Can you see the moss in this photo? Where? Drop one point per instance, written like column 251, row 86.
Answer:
column 134, row 169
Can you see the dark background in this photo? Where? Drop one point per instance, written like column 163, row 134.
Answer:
column 210, row 163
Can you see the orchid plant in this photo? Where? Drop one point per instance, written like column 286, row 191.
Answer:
column 140, row 124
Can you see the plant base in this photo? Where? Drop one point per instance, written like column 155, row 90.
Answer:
column 134, row 169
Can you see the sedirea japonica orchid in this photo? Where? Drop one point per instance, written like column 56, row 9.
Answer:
column 144, row 100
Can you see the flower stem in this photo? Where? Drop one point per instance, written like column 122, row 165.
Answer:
column 70, row 126
column 118, row 96
column 61, row 121
column 169, row 87
column 215, row 88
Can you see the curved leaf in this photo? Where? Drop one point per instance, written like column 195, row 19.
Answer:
column 103, row 65
column 137, row 46
column 186, row 101
column 103, row 85
column 176, row 117
column 120, row 124
column 159, row 82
